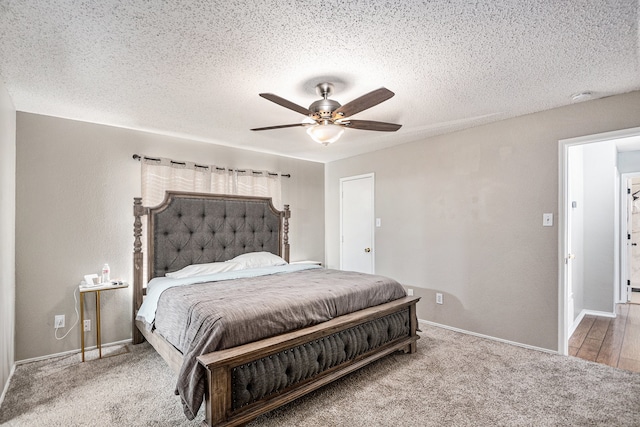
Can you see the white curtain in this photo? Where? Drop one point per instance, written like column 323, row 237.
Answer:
column 160, row 175
column 259, row 183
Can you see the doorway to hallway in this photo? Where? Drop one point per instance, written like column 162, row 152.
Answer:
column 587, row 290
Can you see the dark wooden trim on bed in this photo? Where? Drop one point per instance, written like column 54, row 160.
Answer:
column 168, row 352
column 138, row 263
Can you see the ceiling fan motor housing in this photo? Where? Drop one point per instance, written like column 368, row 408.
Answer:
column 323, row 108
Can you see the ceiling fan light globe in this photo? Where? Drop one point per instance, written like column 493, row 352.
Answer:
column 325, row 134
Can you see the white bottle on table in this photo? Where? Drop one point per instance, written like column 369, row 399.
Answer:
column 105, row 273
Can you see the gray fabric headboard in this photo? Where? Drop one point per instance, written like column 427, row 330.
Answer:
column 195, row 228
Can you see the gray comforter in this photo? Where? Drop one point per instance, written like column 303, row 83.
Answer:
column 201, row 318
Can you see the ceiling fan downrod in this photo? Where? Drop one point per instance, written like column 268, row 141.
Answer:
column 323, row 109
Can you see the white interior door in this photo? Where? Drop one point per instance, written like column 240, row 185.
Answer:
column 357, row 224
column 571, row 266
column 574, row 231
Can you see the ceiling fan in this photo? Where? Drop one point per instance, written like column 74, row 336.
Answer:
column 329, row 118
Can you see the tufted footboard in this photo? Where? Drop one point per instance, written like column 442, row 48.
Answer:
column 255, row 378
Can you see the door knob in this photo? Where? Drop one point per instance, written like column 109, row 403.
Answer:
column 367, row 250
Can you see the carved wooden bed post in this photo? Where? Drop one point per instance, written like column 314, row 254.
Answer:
column 285, row 237
column 138, row 211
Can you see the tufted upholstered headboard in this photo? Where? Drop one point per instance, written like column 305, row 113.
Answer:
column 197, row 228
column 200, row 228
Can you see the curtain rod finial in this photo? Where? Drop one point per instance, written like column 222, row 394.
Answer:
column 136, row 157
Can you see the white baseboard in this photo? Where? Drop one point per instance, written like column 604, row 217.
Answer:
column 463, row 331
column 575, row 323
column 599, row 313
column 67, row 353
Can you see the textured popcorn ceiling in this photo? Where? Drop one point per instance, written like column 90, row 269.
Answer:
column 195, row 68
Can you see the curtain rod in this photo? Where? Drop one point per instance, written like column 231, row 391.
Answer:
column 139, row 158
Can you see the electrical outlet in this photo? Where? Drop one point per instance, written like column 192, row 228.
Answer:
column 87, row 325
column 58, row 321
column 410, row 292
column 439, row 298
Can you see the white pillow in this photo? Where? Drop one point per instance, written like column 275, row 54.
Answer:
column 258, row 259
column 202, row 269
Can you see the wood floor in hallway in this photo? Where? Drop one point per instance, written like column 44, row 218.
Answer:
column 612, row 341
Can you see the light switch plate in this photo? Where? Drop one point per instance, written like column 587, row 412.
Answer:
column 547, row 219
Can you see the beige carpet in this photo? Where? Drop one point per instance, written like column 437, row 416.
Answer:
column 453, row 380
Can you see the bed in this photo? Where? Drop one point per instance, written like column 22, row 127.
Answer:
column 245, row 330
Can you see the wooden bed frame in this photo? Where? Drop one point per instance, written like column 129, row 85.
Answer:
column 222, row 365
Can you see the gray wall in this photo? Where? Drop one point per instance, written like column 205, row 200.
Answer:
column 7, row 233
column 462, row 215
column 75, row 187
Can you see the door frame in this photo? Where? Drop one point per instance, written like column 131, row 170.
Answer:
column 563, row 244
column 370, row 175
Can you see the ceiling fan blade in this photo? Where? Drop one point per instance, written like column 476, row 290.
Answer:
column 286, row 104
column 283, row 126
column 365, row 101
column 371, row 125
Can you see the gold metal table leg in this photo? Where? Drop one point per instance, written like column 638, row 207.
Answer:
column 82, row 323
column 98, row 323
